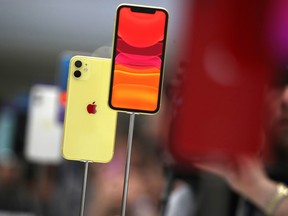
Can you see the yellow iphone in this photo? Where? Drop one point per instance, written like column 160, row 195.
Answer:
column 89, row 124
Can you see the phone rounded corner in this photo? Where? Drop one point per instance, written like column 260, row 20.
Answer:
column 72, row 59
column 165, row 11
column 155, row 111
column 111, row 106
column 64, row 155
column 110, row 158
column 122, row 5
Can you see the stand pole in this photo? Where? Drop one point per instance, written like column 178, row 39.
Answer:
column 128, row 161
column 84, row 189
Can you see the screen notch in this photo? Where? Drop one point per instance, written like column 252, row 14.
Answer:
column 143, row 10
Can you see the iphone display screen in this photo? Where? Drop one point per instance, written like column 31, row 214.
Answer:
column 138, row 58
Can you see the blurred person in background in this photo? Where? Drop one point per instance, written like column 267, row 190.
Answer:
column 14, row 193
column 14, row 196
column 262, row 182
column 30, row 188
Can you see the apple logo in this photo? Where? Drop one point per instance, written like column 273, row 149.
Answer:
column 91, row 108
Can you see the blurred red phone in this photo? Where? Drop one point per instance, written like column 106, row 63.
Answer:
column 218, row 106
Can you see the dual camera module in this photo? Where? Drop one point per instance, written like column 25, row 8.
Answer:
column 77, row 64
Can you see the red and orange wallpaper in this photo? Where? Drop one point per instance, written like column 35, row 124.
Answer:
column 138, row 59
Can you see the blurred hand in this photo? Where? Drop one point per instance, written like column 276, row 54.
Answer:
column 241, row 175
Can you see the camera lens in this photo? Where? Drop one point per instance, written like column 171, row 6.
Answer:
column 78, row 64
column 77, row 73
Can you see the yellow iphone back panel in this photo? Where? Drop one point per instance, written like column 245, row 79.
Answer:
column 89, row 125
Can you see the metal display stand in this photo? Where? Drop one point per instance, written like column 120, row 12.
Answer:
column 84, row 186
column 128, row 162
column 127, row 171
